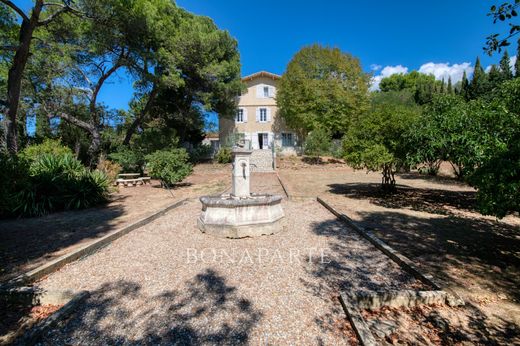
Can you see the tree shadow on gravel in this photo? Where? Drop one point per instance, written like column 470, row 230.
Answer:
column 27, row 243
column 469, row 253
column 354, row 263
column 206, row 311
column 435, row 201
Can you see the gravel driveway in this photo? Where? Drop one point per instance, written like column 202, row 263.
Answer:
column 167, row 283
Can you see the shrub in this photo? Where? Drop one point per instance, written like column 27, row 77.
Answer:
column 111, row 169
column 200, row 153
column 131, row 161
column 48, row 146
column 170, row 166
column 318, row 143
column 54, row 183
column 14, row 174
column 223, row 155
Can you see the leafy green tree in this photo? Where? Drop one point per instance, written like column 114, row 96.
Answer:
column 318, row 143
column 420, row 85
column 322, row 87
column 375, row 142
column 41, row 15
column 207, row 62
column 497, row 178
column 503, row 13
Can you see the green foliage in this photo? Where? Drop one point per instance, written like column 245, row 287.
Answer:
column 14, row 174
column 51, row 183
column 200, row 153
column 376, row 142
column 421, row 86
column 49, row 146
column 130, row 160
column 318, row 143
column 170, row 166
column 322, row 87
column 223, row 155
column 498, row 181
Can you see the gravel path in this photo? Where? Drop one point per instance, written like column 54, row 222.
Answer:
column 167, row 283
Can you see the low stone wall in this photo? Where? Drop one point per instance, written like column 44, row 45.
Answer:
column 262, row 161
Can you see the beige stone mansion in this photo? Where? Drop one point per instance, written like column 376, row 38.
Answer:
column 257, row 120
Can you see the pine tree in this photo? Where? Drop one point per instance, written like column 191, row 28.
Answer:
column 450, row 87
column 464, row 86
column 517, row 62
column 478, row 85
column 495, row 77
column 505, row 69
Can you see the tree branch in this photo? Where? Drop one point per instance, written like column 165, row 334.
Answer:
column 16, row 9
column 73, row 120
column 54, row 15
column 9, row 48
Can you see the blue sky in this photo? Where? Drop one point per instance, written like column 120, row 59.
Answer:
column 441, row 37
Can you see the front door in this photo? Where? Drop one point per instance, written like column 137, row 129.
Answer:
column 263, row 141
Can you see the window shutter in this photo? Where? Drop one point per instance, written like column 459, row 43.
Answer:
column 271, row 91
column 268, row 114
column 259, row 91
column 257, row 114
column 244, row 114
column 254, row 140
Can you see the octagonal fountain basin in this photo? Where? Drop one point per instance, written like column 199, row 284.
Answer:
column 228, row 216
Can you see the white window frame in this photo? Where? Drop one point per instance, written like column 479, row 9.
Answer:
column 262, row 112
column 239, row 118
column 266, row 92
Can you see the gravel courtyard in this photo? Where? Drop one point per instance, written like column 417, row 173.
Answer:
column 167, row 283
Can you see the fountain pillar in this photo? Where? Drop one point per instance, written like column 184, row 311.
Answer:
column 241, row 173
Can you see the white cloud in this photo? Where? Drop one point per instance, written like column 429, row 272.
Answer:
column 375, row 67
column 512, row 61
column 445, row 70
column 386, row 72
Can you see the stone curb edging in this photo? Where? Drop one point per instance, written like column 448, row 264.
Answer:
column 398, row 298
column 360, row 326
column 452, row 299
column 283, row 186
column 38, row 330
column 86, row 250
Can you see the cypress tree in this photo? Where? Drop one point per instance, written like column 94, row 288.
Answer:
column 477, row 86
column 442, row 86
column 517, row 62
column 450, row 87
column 495, row 77
column 505, row 69
column 464, row 86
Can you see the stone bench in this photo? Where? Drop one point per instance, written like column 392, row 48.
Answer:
column 127, row 182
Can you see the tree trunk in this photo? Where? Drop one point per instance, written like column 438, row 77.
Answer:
column 15, row 75
column 139, row 119
column 388, row 180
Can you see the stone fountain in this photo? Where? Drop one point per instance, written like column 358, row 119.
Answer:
column 241, row 213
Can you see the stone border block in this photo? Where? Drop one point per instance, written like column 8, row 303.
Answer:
column 85, row 250
column 452, row 299
column 360, row 326
column 398, row 298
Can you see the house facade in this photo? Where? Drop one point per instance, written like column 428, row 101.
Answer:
column 257, row 118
